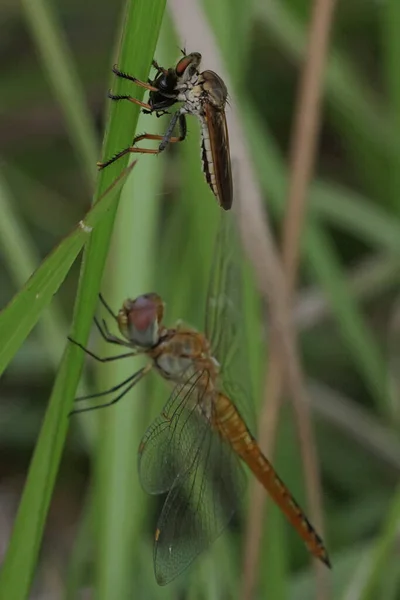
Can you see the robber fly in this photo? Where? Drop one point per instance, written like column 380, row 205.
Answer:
column 203, row 95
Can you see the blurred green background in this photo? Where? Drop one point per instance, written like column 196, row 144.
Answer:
column 55, row 61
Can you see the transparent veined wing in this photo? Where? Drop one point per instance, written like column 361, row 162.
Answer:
column 219, row 143
column 224, row 319
column 167, row 446
column 183, row 454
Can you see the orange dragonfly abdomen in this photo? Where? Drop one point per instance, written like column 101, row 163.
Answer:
column 232, row 427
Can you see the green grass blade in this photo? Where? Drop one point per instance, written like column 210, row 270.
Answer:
column 143, row 23
column 321, row 258
column 355, row 214
column 391, row 55
column 24, row 310
column 121, row 502
column 21, row 258
column 364, row 126
column 383, row 549
column 58, row 62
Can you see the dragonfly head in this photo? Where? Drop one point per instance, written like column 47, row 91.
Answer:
column 139, row 320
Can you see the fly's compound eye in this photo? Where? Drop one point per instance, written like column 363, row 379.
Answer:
column 187, row 67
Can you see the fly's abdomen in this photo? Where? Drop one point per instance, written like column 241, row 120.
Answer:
column 207, row 158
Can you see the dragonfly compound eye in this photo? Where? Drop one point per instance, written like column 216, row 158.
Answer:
column 139, row 320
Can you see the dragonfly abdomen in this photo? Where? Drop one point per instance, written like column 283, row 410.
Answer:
column 235, row 431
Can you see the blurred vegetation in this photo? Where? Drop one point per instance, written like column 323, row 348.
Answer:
column 100, row 526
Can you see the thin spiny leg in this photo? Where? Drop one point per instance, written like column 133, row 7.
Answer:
column 99, row 358
column 139, row 375
column 115, row 388
column 167, row 139
column 107, row 307
column 109, row 337
column 130, row 98
column 158, row 68
column 153, row 136
column 138, row 82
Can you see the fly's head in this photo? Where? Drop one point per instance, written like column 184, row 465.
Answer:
column 214, row 89
column 140, row 320
column 187, row 69
column 166, row 94
column 171, row 82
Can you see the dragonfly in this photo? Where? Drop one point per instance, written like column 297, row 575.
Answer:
column 202, row 94
column 195, row 449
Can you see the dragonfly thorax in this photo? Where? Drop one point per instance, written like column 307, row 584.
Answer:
column 176, row 368
column 182, row 353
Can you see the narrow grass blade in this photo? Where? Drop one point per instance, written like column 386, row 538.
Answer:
column 16, row 321
column 21, row 258
column 58, row 62
column 382, row 549
column 322, row 259
column 19, row 317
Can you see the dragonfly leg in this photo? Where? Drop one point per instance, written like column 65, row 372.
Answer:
column 107, row 307
column 130, row 382
column 96, row 356
column 108, row 336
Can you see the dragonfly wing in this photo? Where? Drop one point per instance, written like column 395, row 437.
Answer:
column 224, row 319
column 167, row 446
column 199, row 506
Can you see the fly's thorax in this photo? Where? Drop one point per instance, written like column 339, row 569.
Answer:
column 201, row 88
column 214, row 89
column 191, row 96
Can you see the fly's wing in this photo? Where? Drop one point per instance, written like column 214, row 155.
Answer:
column 219, row 143
column 182, row 453
column 224, row 319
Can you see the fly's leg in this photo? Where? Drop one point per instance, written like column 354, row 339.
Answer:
column 144, row 105
column 158, row 68
column 165, row 140
column 143, row 84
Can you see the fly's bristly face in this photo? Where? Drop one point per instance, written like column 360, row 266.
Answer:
column 187, row 67
column 170, row 81
column 140, row 320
